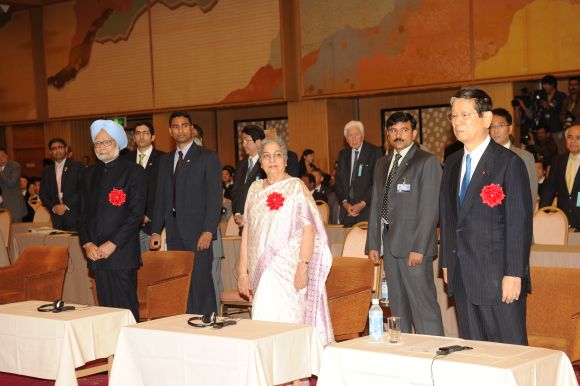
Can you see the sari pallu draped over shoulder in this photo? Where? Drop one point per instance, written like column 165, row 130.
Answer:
column 272, row 231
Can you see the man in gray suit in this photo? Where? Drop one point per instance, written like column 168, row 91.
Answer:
column 403, row 223
column 10, row 187
column 500, row 131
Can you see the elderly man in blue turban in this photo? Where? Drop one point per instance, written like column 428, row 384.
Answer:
column 113, row 196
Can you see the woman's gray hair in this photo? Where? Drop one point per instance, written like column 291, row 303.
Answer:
column 277, row 140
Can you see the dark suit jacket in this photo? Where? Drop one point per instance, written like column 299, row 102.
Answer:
column 101, row 221
column 11, row 193
column 70, row 189
column 555, row 185
column 151, row 172
column 240, row 189
column 198, row 197
column 363, row 181
column 414, row 214
column 490, row 243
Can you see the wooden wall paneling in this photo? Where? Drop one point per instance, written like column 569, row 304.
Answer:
column 340, row 111
column 207, row 120
column 225, row 126
column 28, row 148
column 162, row 139
column 81, row 142
column 290, row 36
column 308, row 129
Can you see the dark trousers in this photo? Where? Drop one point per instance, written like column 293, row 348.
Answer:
column 503, row 323
column 201, row 298
column 118, row 288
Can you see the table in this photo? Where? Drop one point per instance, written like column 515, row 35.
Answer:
column 51, row 345
column 563, row 256
column 573, row 238
column 170, row 352
column 77, row 287
column 336, row 235
column 361, row 362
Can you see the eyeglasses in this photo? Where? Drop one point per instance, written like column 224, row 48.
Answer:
column 464, row 116
column 500, row 125
column 142, row 134
column 57, row 148
column 268, row 156
column 105, row 143
column 403, row 130
column 183, row 126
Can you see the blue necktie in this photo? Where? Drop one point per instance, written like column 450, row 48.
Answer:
column 466, row 179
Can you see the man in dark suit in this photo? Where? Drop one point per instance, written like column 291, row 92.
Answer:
column 147, row 157
column 403, row 226
column 10, row 193
column 563, row 180
column 59, row 187
column 486, row 227
column 247, row 171
column 354, row 175
column 112, row 204
column 188, row 203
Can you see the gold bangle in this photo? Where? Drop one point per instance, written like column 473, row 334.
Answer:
column 242, row 275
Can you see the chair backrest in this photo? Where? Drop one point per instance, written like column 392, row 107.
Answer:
column 551, row 306
column 41, row 215
column 550, row 226
column 163, row 283
column 39, row 272
column 354, row 242
column 232, row 228
column 348, row 288
column 6, row 227
column 324, row 211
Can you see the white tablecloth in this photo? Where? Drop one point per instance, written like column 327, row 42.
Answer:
column 361, row 362
column 51, row 345
column 170, row 352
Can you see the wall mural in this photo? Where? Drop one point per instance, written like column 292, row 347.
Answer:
column 376, row 45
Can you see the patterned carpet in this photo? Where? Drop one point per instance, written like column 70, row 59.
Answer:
column 102, row 380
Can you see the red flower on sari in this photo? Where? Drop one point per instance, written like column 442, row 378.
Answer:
column 275, row 201
column 492, row 195
column 117, row 197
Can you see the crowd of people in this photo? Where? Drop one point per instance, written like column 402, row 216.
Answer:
column 482, row 199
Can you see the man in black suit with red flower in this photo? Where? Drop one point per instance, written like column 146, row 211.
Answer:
column 113, row 196
column 486, row 227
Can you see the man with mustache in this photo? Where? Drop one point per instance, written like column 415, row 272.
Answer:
column 403, row 226
column 113, row 195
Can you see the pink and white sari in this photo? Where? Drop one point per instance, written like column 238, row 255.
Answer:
column 276, row 216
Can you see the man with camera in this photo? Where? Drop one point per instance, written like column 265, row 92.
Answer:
column 570, row 114
column 547, row 106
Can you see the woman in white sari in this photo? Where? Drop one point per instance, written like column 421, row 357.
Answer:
column 284, row 254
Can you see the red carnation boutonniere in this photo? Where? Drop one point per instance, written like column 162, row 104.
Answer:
column 492, row 195
column 275, row 201
column 117, row 197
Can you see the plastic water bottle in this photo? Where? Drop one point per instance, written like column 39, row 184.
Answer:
column 384, row 290
column 376, row 321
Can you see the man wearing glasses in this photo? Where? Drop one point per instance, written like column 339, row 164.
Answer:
column 113, row 194
column 486, row 227
column 403, row 226
column 247, row 171
column 59, row 187
column 500, row 131
column 188, row 203
column 147, row 157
